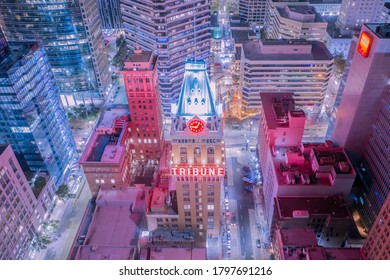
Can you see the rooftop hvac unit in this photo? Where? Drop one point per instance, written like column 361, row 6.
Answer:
column 305, row 178
column 344, row 166
column 290, row 178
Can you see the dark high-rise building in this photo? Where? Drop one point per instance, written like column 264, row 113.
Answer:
column 71, row 33
column 110, row 14
column 4, row 49
column 32, row 119
column 176, row 31
column 362, row 120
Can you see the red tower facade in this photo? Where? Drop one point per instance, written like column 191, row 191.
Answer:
column 143, row 95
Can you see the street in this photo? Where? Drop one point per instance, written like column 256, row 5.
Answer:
column 244, row 220
column 69, row 213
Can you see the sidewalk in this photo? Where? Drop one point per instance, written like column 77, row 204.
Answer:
column 69, row 213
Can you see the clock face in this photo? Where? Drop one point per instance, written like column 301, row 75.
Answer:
column 196, row 126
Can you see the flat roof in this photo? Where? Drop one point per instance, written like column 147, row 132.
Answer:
column 18, row 52
column 325, row 1
column 329, row 205
column 276, row 107
column 178, row 254
column 109, row 117
column 253, row 50
column 241, row 24
column 308, row 11
column 140, row 56
column 298, row 237
column 382, row 30
column 344, row 254
column 115, row 224
column 88, row 252
column 333, row 156
column 240, row 36
column 143, row 56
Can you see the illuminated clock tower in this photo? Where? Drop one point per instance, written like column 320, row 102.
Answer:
column 198, row 160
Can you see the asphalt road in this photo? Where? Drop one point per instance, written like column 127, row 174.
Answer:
column 244, row 203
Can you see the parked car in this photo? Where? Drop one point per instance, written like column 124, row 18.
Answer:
column 258, row 243
column 246, row 168
column 81, row 239
column 250, row 181
column 248, row 188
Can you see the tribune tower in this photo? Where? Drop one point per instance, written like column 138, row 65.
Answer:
column 198, row 160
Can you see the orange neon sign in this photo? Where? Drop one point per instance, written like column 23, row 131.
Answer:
column 364, row 45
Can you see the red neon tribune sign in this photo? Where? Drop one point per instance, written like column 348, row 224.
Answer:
column 203, row 171
column 364, row 45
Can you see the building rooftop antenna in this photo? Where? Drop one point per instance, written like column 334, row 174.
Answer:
column 194, row 35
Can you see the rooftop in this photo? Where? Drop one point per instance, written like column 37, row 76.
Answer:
column 115, row 226
column 140, row 60
column 382, row 30
column 105, row 149
column 325, row 1
column 110, row 116
column 178, row 254
column 292, row 50
column 236, row 25
column 19, row 53
column 343, row 254
column 276, row 108
column 318, row 165
column 295, row 207
column 88, row 252
column 298, row 237
column 105, row 143
column 173, row 235
column 241, row 36
column 300, row 13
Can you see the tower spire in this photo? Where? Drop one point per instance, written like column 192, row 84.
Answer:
column 194, row 35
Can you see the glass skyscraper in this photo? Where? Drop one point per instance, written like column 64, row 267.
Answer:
column 71, row 33
column 110, row 14
column 176, row 31
column 32, row 119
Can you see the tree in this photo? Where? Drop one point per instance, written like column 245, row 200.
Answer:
column 62, row 192
column 39, row 184
column 339, row 62
column 119, row 41
column 120, row 57
column 40, row 242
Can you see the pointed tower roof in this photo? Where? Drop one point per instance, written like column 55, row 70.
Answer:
column 196, row 97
